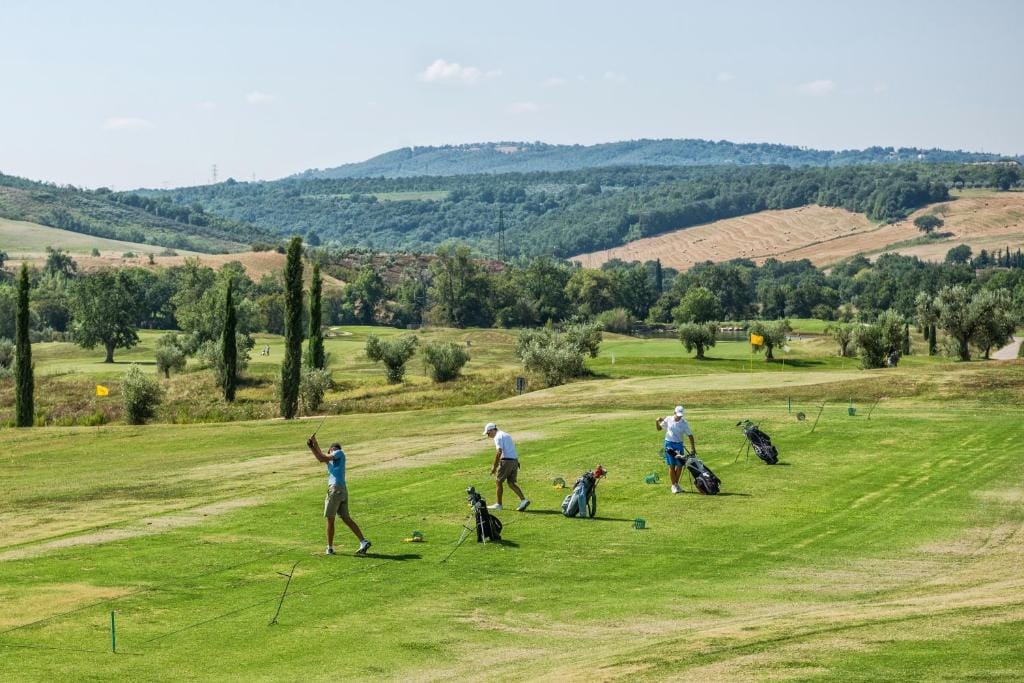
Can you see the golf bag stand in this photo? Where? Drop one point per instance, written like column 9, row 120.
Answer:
column 762, row 443
column 488, row 527
column 582, row 502
column 704, row 480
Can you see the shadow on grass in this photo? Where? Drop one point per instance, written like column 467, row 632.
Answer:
column 403, row 557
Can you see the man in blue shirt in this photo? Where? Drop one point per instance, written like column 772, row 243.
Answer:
column 675, row 427
column 336, row 502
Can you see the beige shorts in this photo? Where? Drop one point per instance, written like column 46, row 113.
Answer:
column 507, row 470
column 336, row 502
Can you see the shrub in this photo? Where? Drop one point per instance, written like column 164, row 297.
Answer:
column 617, row 320
column 555, row 362
column 845, row 337
column 210, row 355
column 444, row 360
column 170, row 354
column 140, row 394
column 313, row 384
column 394, row 353
column 697, row 336
column 6, row 353
column 1020, row 351
column 584, row 336
column 870, row 346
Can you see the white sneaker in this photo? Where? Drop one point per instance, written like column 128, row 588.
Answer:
column 329, row 551
column 495, row 506
column 525, row 504
column 364, row 545
column 676, row 489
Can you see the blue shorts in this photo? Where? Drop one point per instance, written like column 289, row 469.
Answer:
column 671, row 460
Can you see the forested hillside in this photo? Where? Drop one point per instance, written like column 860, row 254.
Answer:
column 569, row 212
column 127, row 217
column 524, row 157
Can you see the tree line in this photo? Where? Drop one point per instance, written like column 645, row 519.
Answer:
column 568, row 212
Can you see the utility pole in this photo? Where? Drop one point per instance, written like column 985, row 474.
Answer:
column 501, row 233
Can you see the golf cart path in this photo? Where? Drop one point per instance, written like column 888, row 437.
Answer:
column 1008, row 352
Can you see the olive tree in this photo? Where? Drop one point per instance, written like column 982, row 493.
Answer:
column 698, row 337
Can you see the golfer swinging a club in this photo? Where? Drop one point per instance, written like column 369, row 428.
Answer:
column 505, row 467
column 675, row 428
column 336, row 503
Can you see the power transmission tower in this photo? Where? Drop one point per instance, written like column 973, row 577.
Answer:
column 501, row 233
column 213, row 174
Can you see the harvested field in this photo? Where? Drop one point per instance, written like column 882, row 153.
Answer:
column 757, row 236
column 982, row 220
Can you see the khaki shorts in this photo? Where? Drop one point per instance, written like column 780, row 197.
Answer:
column 336, row 502
column 507, row 471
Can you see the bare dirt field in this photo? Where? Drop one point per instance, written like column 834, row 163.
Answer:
column 982, row 220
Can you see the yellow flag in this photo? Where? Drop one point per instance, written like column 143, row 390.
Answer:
column 102, row 390
column 756, row 339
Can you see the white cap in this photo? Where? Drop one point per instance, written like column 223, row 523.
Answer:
column 488, row 427
column 679, row 411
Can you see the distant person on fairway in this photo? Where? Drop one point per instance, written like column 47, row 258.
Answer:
column 505, row 467
column 675, row 428
column 336, row 503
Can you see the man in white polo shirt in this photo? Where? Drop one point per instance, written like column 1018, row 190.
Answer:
column 505, row 467
column 675, row 429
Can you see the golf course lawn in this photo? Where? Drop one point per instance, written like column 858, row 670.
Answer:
column 882, row 547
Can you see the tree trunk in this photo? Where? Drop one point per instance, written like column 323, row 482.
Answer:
column 964, row 350
column 768, row 352
column 110, row 352
column 700, row 352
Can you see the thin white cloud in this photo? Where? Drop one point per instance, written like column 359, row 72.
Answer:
column 207, row 105
column 879, row 88
column 554, row 82
column 725, row 76
column 127, row 123
column 257, row 97
column 817, row 88
column 614, row 76
column 524, row 108
column 453, row 73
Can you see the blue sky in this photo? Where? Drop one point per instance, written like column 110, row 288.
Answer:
column 129, row 94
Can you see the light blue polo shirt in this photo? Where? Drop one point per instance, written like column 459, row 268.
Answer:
column 336, row 469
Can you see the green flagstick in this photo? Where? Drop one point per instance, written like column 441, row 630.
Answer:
column 113, row 633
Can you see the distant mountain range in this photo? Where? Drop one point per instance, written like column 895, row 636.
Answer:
column 524, row 157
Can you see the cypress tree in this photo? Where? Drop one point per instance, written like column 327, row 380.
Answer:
column 292, row 365
column 932, row 342
column 24, row 382
column 229, row 348
column 906, row 340
column 658, row 281
column 316, row 333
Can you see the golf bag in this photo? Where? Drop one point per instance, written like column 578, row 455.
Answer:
column 761, row 442
column 488, row 527
column 582, row 502
column 704, row 480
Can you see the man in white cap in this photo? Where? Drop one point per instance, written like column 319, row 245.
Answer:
column 505, row 467
column 675, row 427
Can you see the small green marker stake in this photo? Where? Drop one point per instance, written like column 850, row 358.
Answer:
column 789, row 408
column 113, row 633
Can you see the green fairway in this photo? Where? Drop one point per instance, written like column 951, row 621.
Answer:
column 878, row 548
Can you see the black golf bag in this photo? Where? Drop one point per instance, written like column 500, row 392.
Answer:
column 761, row 442
column 582, row 502
column 704, row 480
column 488, row 527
